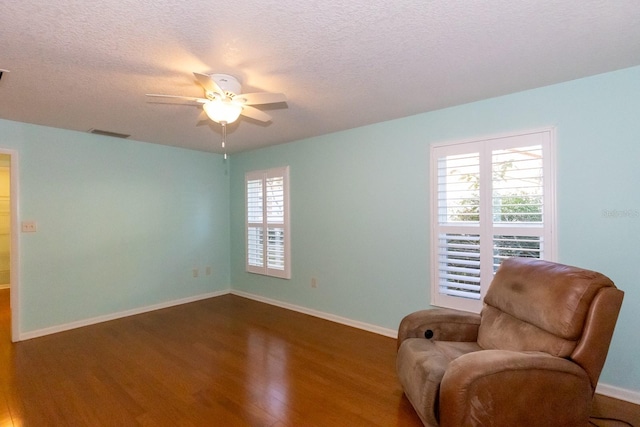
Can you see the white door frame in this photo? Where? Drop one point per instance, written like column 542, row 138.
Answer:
column 14, row 274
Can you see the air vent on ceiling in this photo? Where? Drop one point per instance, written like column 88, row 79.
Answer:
column 108, row 133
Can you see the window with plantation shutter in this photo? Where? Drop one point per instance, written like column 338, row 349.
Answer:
column 491, row 199
column 267, row 222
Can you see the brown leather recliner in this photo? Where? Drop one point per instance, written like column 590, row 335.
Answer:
column 531, row 358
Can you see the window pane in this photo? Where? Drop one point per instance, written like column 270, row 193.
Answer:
column 517, row 185
column 459, row 265
column 459, row 188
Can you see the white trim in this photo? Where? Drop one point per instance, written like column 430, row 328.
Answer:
column 320, row 314
column 630, row 396
column 118, row 315
column 551, row 173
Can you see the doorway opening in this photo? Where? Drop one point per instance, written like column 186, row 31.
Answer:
column 9, row 290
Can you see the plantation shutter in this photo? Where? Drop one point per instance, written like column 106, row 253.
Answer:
column 267, row 226
column 255, row 227
column 492, row 201
column 517, row 203
column 458, row 225
column 275, row 222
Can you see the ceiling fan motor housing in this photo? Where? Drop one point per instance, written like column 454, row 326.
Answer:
column 227, row 83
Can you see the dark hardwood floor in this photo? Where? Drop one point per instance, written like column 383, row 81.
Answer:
column 225, row 361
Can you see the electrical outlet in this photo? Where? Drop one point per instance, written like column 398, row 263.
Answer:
column 314, row 282
column 196, row 273
column 29, row 226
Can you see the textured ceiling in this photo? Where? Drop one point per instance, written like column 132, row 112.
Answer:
column 80, row 65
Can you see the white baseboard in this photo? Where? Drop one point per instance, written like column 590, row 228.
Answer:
column 113, row 316
column 327, row 316
column 619, row 393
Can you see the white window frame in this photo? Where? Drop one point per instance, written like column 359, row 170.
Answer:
column 486, row 227
column 268, row 222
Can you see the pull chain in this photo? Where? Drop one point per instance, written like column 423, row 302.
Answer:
column 224, row 138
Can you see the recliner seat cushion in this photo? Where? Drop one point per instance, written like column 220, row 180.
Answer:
column 421, row 364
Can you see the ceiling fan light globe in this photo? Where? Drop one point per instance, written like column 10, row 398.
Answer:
column 222, row 111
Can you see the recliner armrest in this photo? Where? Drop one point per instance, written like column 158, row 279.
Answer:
column 504, row 387
column 442, row 324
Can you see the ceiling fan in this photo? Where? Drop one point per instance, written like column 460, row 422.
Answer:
column 223, row 101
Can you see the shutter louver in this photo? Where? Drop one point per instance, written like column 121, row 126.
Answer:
column 275, row 215
column 515, row 246
column 517, row 203
column 517, row 185
column 459, row 206
column 458, row 188
column 459, row 265
column 275, row 248
column 254, row 201
column 255, row 246
column 255, row 234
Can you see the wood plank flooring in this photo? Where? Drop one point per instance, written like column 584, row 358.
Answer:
column 225, row 361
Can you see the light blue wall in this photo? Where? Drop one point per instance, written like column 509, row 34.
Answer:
column 360, row 198
column 121, row 224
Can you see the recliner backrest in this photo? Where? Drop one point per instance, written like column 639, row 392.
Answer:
column 536, row 305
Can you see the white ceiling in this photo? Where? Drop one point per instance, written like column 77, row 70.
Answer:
column 79, row 65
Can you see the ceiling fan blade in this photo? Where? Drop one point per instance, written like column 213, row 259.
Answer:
column 187, row 98
column 208, row 84
column 258, row 98
column 254, row 113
